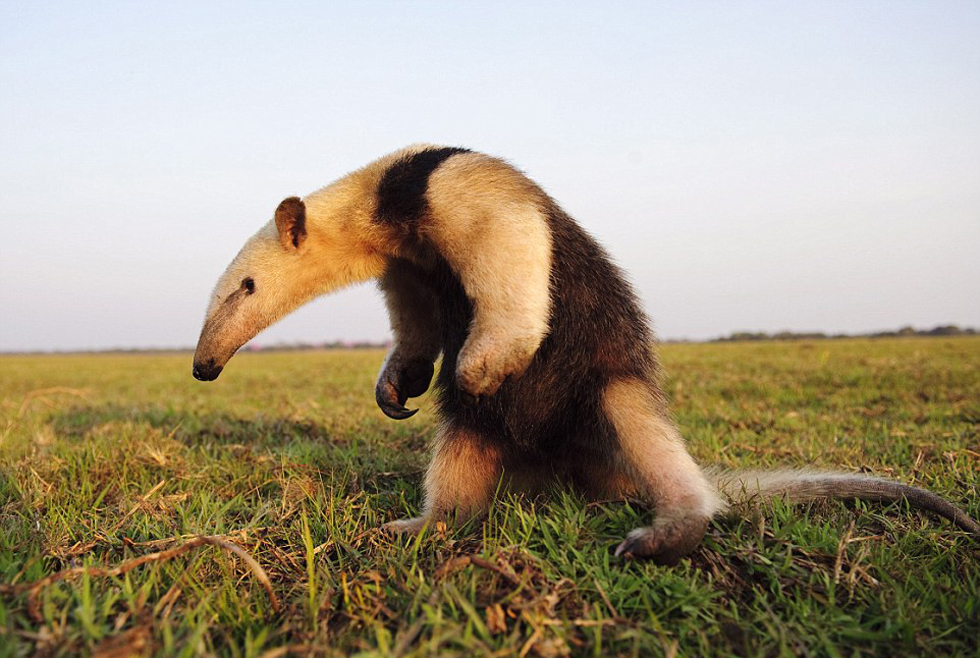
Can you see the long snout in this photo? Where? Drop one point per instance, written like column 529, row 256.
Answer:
column 211, row 354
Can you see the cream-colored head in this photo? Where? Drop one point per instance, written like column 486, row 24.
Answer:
column 291, row 260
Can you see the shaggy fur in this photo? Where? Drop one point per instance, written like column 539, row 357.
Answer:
column 547, row 370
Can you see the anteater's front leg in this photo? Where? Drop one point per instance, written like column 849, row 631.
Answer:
column 414, row 314
column 502, row 256
column 664, row 474
column 460, row 481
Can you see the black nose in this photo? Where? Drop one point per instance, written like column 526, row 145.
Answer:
column 206, row 372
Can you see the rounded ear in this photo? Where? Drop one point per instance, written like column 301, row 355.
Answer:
column 291, row 222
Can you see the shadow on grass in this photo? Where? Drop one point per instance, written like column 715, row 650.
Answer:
column 368, row 464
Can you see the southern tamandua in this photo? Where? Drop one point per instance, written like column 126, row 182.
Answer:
column 548, row 370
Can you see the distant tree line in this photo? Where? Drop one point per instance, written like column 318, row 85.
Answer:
column 249, row 347
column 942, row 330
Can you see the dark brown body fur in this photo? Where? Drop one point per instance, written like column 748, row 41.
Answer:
column 551, row 417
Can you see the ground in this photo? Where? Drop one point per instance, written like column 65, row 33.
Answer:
column 104, row 459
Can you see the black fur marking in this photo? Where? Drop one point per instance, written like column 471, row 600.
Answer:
column 401, row 191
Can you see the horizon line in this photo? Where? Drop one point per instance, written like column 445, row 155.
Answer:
column 938, row 331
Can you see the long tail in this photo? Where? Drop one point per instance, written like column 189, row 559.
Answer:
column 800, row 486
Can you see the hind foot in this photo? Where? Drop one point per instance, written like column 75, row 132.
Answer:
column 412, row 526
column 666, row 541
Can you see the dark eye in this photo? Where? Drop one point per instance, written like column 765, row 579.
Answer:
column 249, row 285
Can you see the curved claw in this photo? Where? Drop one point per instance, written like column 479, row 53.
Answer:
column 391, row 402
column 401, row 378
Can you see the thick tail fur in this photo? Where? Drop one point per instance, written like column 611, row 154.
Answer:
column 801, row 485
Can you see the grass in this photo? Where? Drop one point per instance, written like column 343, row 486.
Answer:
column 108, row 458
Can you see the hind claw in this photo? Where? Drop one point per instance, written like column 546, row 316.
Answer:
column 666, row 541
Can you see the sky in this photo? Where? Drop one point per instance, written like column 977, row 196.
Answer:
column 751, row 165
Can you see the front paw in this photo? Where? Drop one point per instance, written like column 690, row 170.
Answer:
column 401, row 378
column 483, row 367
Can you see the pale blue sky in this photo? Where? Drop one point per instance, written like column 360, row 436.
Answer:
column 752, row 165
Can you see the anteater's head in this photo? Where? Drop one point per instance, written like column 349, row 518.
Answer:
column 286, row 264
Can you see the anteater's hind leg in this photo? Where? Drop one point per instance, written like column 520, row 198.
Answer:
column 460, row 481
column 664, row 474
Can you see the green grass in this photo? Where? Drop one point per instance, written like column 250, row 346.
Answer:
column 107, row 458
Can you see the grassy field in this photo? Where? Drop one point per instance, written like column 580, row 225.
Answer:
column 104, row 459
